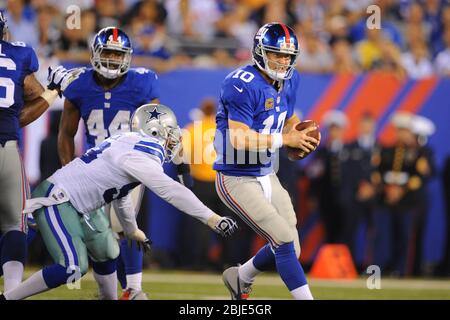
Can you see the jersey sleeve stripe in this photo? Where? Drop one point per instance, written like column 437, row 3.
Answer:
column 149, row 150
column 152, row 144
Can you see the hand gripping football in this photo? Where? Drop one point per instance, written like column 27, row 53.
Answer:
column 297, row 153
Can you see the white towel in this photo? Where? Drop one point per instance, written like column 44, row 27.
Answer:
column 56, row 196
column 266, row 186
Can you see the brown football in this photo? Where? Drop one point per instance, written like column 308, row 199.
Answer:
column 297, row 153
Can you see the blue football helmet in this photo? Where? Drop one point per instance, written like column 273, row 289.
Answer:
column 111, row 39
column 3, row 26
column 279, row 38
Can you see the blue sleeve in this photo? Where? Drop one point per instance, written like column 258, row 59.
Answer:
column 237, row 100
column 293, row 94
column 71, row 92
column 153, row 90
column 34, row 63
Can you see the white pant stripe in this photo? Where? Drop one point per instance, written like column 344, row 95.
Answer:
column 61, row 236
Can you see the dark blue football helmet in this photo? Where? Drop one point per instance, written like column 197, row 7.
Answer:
column 111, row 39
column 3, row 26
column 279, row 38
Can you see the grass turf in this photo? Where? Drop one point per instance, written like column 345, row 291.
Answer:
column 178, row 285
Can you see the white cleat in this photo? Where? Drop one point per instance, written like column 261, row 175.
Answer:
column 239, row 290
column 133, row 294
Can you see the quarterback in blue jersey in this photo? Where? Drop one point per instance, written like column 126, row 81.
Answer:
column 256, row 117
column 105, row 96
column 22, row 100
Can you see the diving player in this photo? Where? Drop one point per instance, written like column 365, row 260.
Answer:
column 104, row 97
column 65, row 205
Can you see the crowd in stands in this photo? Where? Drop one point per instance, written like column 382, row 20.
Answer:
column 413, row 39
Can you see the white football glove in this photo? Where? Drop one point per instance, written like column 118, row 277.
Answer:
column 60, row 78
column 225, row 226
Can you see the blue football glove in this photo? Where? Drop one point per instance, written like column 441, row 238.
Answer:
column 184, row 175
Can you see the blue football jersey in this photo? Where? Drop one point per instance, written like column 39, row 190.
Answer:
column 16, row 62
column 247, row 97
column 107, row 112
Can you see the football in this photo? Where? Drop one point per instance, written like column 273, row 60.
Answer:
column 297, row 153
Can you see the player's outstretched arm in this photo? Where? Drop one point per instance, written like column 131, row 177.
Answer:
column 68, row 127
column 175, row 193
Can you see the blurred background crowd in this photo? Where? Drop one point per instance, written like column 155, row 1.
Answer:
column 413, row 41
column 353, row 185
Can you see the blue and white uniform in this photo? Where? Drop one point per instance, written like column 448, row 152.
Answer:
column 248, row 98
column 107, row 112
column 16, row 62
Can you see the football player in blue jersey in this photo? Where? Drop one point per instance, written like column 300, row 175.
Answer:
column 256, row 117
column 22, row 100
column 105, row 96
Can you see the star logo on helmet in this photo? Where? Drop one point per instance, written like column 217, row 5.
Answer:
column 154, row 114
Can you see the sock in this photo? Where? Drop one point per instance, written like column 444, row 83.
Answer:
column 31, row 286
column 107, row 286
column 31, row 235
column 13, row 274
column 13, row 249
column 288, row 266
column 106, row 277
column 134, row 281
column 55, row 275
column 263, row 260
column 132, row 260
column 121, row 275
column 302, row 293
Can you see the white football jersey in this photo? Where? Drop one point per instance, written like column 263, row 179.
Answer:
column 120, row 163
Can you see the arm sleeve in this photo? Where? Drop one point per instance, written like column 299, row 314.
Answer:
column 34, row 64
column 125, row 213
column 146, row 170
column 237, row 100
column 153, row 89
column 293, row 95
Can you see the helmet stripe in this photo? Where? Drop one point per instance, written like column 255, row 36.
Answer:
column 115, row 34
column 286, row 32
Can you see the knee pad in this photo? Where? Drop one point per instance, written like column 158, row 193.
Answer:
column 106, row 267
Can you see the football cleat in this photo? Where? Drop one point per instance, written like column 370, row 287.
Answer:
column 133, row 294
column 239, row 290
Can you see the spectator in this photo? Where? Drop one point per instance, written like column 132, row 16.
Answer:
column 369, row 50
column 442, row 62
column 326, row 175
column 344, row 60
column 48, row 32
column 315, row 56
column 75, row 43
column 417, row 62
column 108, row 13
column 19, row 27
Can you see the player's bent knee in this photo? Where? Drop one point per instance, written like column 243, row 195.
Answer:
column 103, row 246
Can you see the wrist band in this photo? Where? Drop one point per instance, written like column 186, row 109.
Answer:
column 277, row 141
column 49, row 96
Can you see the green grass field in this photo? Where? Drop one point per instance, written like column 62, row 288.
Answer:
column 177, row 285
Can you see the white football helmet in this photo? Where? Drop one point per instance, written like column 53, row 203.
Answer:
column 158, row 121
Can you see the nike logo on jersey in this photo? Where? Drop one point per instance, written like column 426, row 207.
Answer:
column 238, row 89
